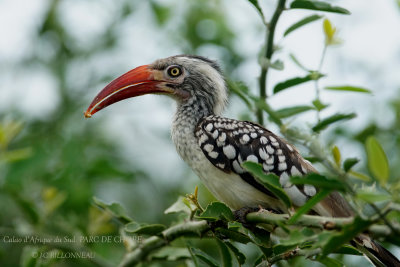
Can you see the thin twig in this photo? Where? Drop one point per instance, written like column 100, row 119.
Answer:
column 269, row 50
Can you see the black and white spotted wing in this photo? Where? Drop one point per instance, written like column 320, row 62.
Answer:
column 227, row 143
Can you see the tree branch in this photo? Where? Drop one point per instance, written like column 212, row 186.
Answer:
column 261, row 218
column 139, row 253
column 269, row 50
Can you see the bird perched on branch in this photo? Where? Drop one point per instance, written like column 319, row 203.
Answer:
column 215, row 147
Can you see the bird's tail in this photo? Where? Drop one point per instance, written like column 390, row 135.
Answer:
column 377, row 254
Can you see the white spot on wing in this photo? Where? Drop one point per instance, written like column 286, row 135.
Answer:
column 209, row 127
column 284, row 180
column 208, row 148
column 263, row 154
column 282, row 166
column 294, row 171
column 229, row 151
column 253, row 135
column 252, row 158
column 270, row 150
column 237, row 167
column 213, row 154
column 215, row 134
column 263, row 140
column 298, row 198
column 309, row 190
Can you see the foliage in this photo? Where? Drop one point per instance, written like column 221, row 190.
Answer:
column 51, row 170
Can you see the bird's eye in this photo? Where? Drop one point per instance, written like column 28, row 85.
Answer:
column 174, row 71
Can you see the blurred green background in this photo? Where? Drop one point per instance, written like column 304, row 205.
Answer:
column 56, row 55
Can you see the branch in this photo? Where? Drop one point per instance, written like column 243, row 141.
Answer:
column 319, row 222
column 262, row 218
column 140, row 252
column 269, row 50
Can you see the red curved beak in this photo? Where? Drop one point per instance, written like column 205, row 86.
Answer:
column 136, row 82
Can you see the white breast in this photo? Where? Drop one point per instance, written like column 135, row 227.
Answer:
column 229, row 188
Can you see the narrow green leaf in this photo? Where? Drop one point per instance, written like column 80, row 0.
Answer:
column 261, row 104
column 170, row 253
column 349, row 163
column 216, row 211
column 348, row 233
column 114, row 208
column 180, row 206
column 241, row 90
column 226, row 257
column 317, row 5
column 329, row 262
column 318, row 105
column 257, row 6
column 144, row 229
column 377, row 160
column 372, row 197
column 309, row 204
column 319, row 181
column 210, row 261
column 348, row 250
column 332, row 119
column 302, row 22
column 240, row 257
column 348, row 88
column 360, row 176
column 269, row 181
column 234, row 235
column 291, row 82
column 297, row 62
column 291, row 111
column 336, row 155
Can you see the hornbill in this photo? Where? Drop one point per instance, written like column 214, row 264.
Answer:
column 215, row 146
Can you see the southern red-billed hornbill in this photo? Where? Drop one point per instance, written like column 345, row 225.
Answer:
column 214, row 146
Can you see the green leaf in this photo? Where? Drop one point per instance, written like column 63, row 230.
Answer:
column 144, row 229
column 332, row 119
column 115, row 209
column 348, row 233
column 261, row 104
column 329, row 262
column 317, row 5
column 226, row 257
column 210, row 261
column 360, row 176
column 309, row 204
column 29, row 256
column 349, row 163
column 292, row 82
column 377, row 160
column 180, row 205
column 302, row 22
column 318, row 105
column 171, row 254
column 269, row 181
column 217, row 211
column 291, row 111
column 240, row 257
column 348, row 88
column 336, row 155
column 297, row 62
column 348, row 250
column 319, row 181
column 372, row 197
column 241, row 90
column 233, row 235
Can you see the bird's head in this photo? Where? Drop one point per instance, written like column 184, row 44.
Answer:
column 188, row 79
